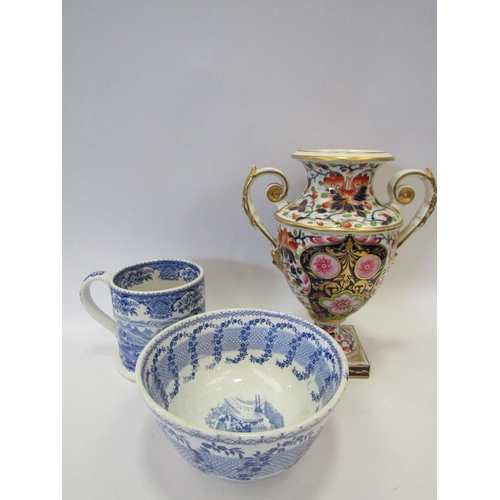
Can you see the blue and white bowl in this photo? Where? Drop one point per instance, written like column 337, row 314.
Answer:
column 242, row 394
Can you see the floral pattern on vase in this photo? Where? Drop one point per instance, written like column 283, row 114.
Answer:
column 336, row 241
column 325, row 265
column 343, row 303
column 334, row 275
column 340, row 195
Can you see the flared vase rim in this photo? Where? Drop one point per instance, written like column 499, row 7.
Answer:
column 352, row 155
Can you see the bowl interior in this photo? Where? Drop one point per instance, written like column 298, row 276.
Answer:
column 242, row 371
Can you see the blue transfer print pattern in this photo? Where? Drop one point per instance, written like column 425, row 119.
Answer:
column 238, row 415
column 231, row 461
column 208, row 341
column 95, row 273
column 139, row 316
column 167, row 271
column 259, row 337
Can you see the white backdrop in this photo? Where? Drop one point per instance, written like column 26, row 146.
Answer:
column 166, row 106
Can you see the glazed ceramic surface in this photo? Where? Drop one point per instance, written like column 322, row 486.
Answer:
column 146, row 298
column 242, row 394
column 336, row 241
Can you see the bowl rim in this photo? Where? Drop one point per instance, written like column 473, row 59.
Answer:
column 191, row 427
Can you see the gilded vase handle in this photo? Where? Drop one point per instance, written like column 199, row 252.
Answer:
column 276, row 193
column 404, row 195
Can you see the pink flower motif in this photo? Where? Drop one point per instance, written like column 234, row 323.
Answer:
column 325, row 265
column 318, row 240
column 368, row 266
column 341, row 304
column 306, row 286
column 335, row 239
column 369, row 240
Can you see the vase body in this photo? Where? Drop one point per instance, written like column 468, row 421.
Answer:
column 336, row 241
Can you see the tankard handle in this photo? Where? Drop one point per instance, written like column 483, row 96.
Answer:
column 276, row 193
column 404, row 195
column 89, row 304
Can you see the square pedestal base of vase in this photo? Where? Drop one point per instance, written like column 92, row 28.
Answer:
column 347, row 338
column 359, row 366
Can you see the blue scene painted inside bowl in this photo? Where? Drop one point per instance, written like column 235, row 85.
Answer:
column 238, row 374
column 239, row 415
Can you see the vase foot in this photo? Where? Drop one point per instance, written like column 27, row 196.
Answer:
column 347, row 338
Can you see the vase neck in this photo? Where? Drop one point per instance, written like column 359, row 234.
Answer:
column 339, row 194
column 346, row 179
column 320, row 170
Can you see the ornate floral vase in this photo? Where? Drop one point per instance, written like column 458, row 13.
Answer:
column 336, row 241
